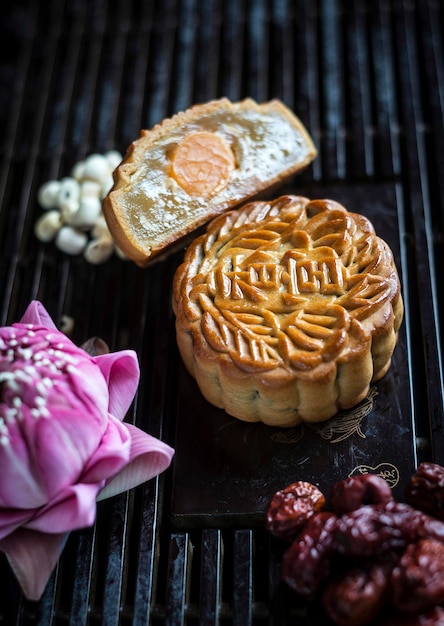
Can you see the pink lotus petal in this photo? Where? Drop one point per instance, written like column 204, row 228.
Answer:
column 149, row 457
column 121, row 372
column 74, row 508
column 13, row 519
column 111, row 456
column 32, row 557
column 37, row 314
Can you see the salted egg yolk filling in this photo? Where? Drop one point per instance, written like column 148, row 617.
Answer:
column 202, row 163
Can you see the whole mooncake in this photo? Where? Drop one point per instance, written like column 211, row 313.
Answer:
column 286, row 311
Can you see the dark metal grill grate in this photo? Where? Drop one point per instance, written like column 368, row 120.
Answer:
column 82, row 76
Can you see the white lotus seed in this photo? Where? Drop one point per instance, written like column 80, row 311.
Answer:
column 114, row 159
column 78, row 170
column 68, row 196
column 98, row 251
column 71, row 241
column 48, row 225
column 96, row 168
column 100, row 229
column 90, row 189
column 87, row 214
column 107, row 185
column 47, row 195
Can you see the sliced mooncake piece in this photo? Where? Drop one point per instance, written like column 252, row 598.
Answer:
column 194, row 166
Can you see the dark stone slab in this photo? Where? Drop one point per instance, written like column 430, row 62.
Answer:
column 225, row 470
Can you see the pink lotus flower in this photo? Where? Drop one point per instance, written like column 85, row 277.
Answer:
column 63, row 444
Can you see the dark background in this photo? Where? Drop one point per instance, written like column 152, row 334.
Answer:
column 83, row 76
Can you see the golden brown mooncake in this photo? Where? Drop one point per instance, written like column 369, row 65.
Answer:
column 287, row 310
column 198, row 164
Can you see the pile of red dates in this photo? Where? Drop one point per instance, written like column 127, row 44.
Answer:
column 369, row 558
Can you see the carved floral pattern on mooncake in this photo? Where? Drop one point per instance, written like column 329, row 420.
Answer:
column 292, row 287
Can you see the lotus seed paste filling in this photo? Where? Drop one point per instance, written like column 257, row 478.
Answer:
column 157, row 200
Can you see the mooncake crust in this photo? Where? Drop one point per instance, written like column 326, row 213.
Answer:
column 150, row 215
column 287, row 311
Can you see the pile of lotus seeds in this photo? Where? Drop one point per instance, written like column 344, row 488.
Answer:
column 73, row 216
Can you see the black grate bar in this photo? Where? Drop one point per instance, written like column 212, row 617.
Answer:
column 361, row 158
column 418, row 197
column 432, row 64
column 333, row 81
column 257, row 49
column 180, row 555
column 160, row 69
column 233, row 41
column 243, row 582
column 110, row 63
column 387, row 150
column 147, row 554
column 208, row 51
column 136, row 72
column 114, row 579
column 308, row 68
column 83, row 575
column 185, row 59
column 282, row 75
column 211, row 577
